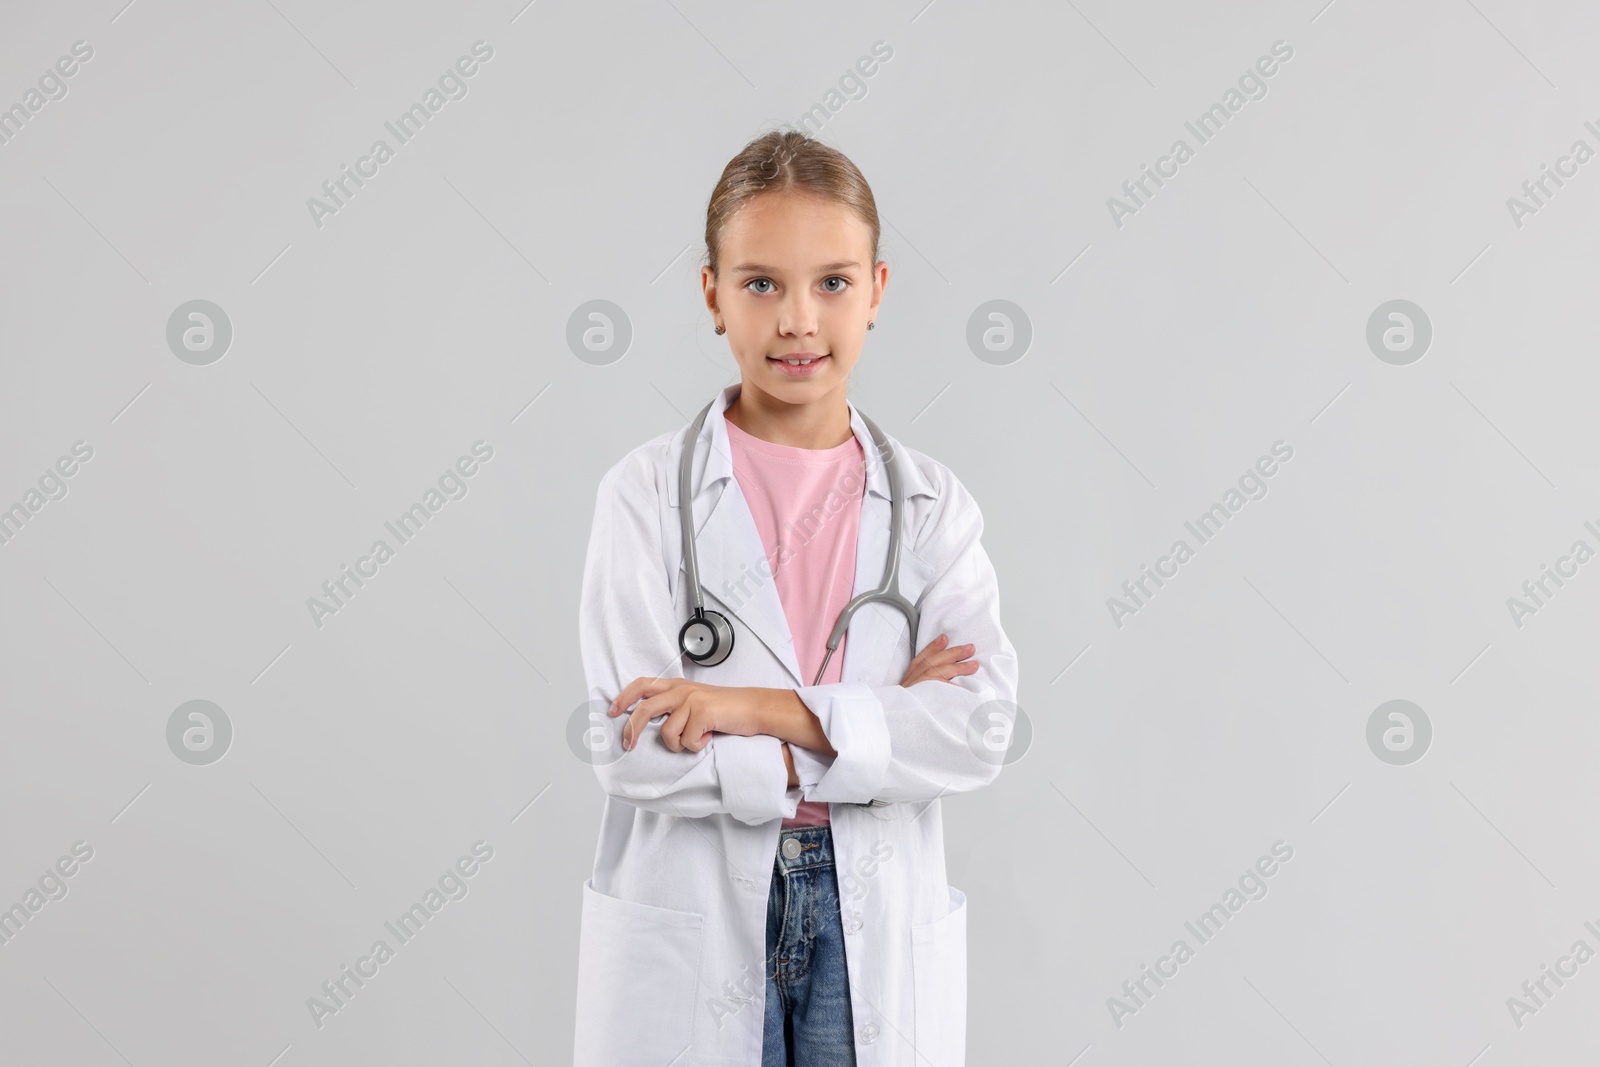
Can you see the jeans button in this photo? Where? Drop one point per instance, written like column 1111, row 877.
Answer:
column 791, row 847
column 869, row 1033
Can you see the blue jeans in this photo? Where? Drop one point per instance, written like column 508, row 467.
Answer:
column 808, row 1022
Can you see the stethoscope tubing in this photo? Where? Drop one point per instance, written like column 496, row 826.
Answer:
column 888, row 589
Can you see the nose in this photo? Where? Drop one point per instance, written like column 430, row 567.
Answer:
column 797, row 316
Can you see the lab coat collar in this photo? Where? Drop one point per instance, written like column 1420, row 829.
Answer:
column 719, row 464
column 731, row 556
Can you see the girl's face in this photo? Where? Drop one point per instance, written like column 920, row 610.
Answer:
column 796, row 281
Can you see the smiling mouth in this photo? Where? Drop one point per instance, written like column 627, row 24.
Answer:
column 797, row 362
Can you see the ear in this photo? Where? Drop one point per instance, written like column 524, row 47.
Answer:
column 880, row 281
column 708, row 287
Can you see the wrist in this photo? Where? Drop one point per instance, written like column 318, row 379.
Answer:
column 780, row 713
column 789, row 719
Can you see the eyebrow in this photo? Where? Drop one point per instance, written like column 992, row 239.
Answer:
column 759, row 268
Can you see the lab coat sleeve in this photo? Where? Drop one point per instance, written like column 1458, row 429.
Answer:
column 628, row 628
column 809, row 767
column 919, row 743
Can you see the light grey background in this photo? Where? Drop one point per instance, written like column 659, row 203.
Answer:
column 1168, row 354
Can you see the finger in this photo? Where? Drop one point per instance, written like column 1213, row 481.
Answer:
column 671, row 732
column 966, row 667
column 629, row 694
column 648, row 708
column 685, row 727
column 641, row 689
column 920, row 661
column 950, row 655
column 662, row 697
column 930, row 648
column 693, row 736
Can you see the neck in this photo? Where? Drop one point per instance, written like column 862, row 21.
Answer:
column 822, row 423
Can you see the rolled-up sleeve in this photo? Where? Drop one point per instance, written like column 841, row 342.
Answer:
column 628, row 628
column 921, row 742
column 809, row 766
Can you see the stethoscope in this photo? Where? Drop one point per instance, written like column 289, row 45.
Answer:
column 707, row 638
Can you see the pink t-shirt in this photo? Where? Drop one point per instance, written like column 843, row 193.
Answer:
column 807, row 507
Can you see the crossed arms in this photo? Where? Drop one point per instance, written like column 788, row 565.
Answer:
column 755, row 752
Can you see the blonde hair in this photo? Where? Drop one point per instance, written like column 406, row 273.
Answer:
column 787, row 160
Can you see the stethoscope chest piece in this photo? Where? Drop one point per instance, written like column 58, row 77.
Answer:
column 707, row 638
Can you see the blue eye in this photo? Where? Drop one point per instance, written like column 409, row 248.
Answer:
column 836, row 277
column 754, row 281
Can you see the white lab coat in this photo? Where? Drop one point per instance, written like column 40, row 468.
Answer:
column 672, row 948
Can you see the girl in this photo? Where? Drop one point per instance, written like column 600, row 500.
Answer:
column 769, row 885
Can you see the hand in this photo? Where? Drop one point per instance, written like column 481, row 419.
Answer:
column 938, row 662
column 694, row 711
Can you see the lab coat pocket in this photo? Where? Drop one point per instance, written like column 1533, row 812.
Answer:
column 638, row 969
column 939, row 978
